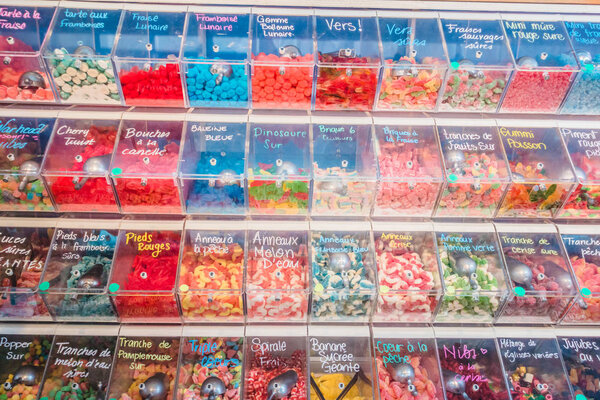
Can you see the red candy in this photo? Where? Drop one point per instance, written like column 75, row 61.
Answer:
column 152, row 87
column 536, row 91
column 265, row 367
column 588, row 276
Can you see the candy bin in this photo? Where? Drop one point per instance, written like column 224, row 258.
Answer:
column 23, row 144
column 542, row 176
column 142, row 283
column 533, row 366
column 580, row 137
column 541, row 285
column 77, row 271
column 470, row 365
column 407, row 364
column 545, row 63
column 211, row 274
column 407, row 272
column 480, row 65
column 24, row 247
column 410, row 167
column 23, row 359
column 79, row 155
column 580, row 242
column 78, row 51
column 213, row 163
column 147, row 55
column 343, row 272
column 80, row 363
column 348, row 60
column 579, row 350
column 23, row 76
column 340, row 362
column 476, row 168
column 215, row 56
column 277, row 272
column 415, row 62
column 278, row 166
column 283, row 60
column 144, row 167
column 210, row 363
column 474, row 277
column 145, row 366
column 344, row 168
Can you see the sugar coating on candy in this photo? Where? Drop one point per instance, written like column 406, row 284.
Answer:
column 588, row 276
column 277, row 196
column 156, row 85
column 266, row 366
column 389, row 389
column 207, row 89
column 348, row 196
column 332, row 385
column 584, row 96
column 468, row 91
column 583, row 202
column 537, row 91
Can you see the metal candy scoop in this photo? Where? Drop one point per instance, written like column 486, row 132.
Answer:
column 464, row 265
column 455, row 159
column 25, row 375
column 562, row 277
column 29, row 169
column 94, row 165
column 212, row 388
column 31, row 80
column 527, row 62
column 286, row 168
column 282, row 385
column 221, row 70
column 340, row 262
column 456, row 385
column 226, row 178
column 290, row 51
column 333, row 186
column 584, row 57
column 84, row 51
column 404, row 373
column 521, row 274
column 154, row 388
column 402, row 68
column 91, row 279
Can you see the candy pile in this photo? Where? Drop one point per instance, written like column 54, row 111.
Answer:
column 584, row 97
column 285, row 86
column 588, row 276
column 141, row 375
column 277, row 196
column 83, row 80
column 536, row 91
column 389, row 389
column 34, row 197
column 527, row 386
column 225, row 364
column 208, row 88
column 479, row 90
column 210, row 283
column 22, row 78
column 341, row 88
column 339, row 191
column 266, row 367
column 583, row 200
column 407, row 88
column 37, row 357
column 585, row 381
column 151, row 86
column 332, row 385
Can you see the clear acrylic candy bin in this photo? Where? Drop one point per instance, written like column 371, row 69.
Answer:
column 283, row 60
column 415, row 61
column 579, row 352
column 344, row 167
column 409, row 167
column 23, row 75
column 216, row 57
column 77, row 53
column 213, row 163
column 80, row 151
column 408, row 273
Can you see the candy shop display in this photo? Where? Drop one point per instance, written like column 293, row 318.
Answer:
column 211, row 275
column 215, row 57
column 77, row 166
column 474, row 280
column 534, row 369
column 580, row 357
column 145, row 367
column 542, row 176
column 540, row 282
column 78, row 52
column 580, row 139
column 344, row 168
column 480, row 63
column 471, row 369
column 408, row 275
column 79, row 367
column 212, row 167
column 23, row 359
column 282, row 59
column 410, row 169
column 277, row 274
column 147, row 55
column 23, row 76
column 210, row 367
column 476, row 169
column 144, row 167
column 415, row 62
column 142, row 283
column 348, row 60
column 77, row 272
column 343, row 275
column 23, row 252
column 407, row 368
column 279, row 168
column 340, row 367
column 23, row 142
column 275, row 367
column 545, row 64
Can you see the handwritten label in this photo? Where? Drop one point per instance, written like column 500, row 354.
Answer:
column 584, row 33
column 78, row 360
column 275, row 250
column 145, row 141
column 584, row 245
column 339, row 245
column 16, row 252
column 394, row 135
column 212, row 244
column 334, row 356
column 465, row 243
column 475, row 139
column 145, row 242
column 207, row 350
column 545, row 245
column 16, row 348
column 398, row 240
column 274, row 139
column 16, row 135
column 582, row 141
column 525, row 349
column 586, row 350
column 403, row 36
column 516, row 138
column 395, row 353
column 475, row 37
column 337, row 132
column 75, row 137
column 219, row 23
column 533, row 31
column 334, row 24
column 468, row 357
column 17, row 18
column 275, row 27
column 73, row 244
column 151, row 350
column 213, row 132
column 149, row 22
column 265, row 349
column 86, row 19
